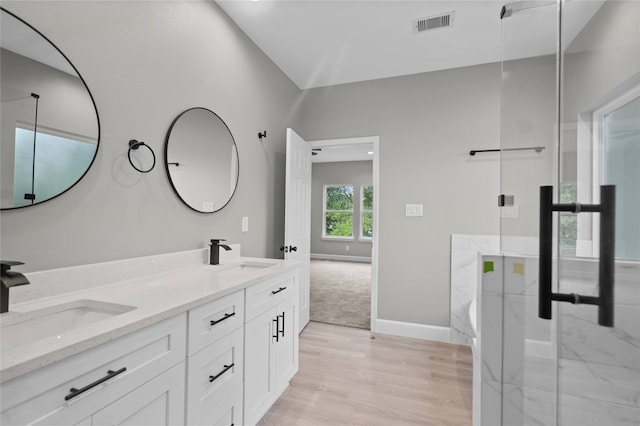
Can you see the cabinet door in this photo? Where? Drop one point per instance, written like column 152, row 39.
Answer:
column 157, row 402
column 286, row 349
column 259, row 368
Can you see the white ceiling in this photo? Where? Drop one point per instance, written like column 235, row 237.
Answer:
column 321, row 43
column 21, row 39
column 326, row 42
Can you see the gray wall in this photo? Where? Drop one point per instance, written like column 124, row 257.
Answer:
column 356, row 173
column 145, row 62
column 427, row 123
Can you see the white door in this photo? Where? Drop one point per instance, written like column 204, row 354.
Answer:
column 297, row 224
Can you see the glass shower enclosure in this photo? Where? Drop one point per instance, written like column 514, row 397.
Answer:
column 567, row 295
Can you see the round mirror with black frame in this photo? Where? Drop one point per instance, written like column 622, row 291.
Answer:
column 201, row 158
column 50, row 124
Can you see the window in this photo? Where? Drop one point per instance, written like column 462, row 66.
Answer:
column 609, row 154
column 338, row 212
column 366, row 213
column 60, row 160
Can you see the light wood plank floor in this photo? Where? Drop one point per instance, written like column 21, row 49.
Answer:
column 348, row 378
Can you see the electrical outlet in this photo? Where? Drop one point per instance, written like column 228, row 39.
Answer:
column 347, row 247
column 245, row 224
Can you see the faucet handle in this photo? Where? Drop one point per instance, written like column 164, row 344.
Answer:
column 217, row 240
column 7, row 264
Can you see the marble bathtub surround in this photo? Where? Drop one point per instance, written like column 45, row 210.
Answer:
column 156, row 296
column 465, row 274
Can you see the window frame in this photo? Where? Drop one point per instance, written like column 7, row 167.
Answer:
column 325, row 211
column 590, row 169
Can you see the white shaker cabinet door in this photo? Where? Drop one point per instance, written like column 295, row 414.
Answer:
column 259, row 368
column 286, row 356
column 158, row 402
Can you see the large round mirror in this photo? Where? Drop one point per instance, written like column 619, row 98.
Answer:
column 50, row 127
column 202, row 160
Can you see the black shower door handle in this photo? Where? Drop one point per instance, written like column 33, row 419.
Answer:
column 606, row 276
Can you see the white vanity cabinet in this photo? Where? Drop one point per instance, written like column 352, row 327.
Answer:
column 106, row 384
column 271, row 343
column 215, row 364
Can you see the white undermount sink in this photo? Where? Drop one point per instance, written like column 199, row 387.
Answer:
column 21, row 328
column 243, row 267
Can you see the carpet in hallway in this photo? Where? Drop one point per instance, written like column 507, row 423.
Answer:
column 341, row 293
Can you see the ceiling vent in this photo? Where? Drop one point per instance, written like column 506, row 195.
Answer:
column 423, row 25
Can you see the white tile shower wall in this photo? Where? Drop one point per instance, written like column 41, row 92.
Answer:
column 598, row 368
column 64, row 280
column 464, row 274
column 464, row 279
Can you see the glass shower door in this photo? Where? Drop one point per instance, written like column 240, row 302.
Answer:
column 571, row 123
column 528, row 160
column 599, row 345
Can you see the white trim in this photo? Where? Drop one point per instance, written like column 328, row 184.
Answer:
column 375, row 140
column 362, row 259
column 597, row 170
column 416, row 331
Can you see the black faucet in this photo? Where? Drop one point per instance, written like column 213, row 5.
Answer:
column 214, row 252
column 9, row 279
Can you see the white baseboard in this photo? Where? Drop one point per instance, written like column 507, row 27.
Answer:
column 417, row 331
column 362, row 259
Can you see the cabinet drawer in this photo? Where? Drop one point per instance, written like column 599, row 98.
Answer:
column 214, row 320
column 44, row 396
column 269, row 293
column 226, row 413
column 213, row 373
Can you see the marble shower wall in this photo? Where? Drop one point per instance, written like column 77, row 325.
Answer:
column 598, row 368
column 465, row 278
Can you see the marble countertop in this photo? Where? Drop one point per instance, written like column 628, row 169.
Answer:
column 155, row 297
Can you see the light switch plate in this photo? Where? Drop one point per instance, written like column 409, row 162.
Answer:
column 509, row 211
column 245, row 224
column 413, row 209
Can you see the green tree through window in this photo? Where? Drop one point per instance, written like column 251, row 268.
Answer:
column 366, row 212
column 338, row 211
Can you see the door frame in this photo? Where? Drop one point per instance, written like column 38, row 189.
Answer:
column 375, row 140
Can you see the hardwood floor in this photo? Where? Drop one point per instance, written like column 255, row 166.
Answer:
column 346, row 377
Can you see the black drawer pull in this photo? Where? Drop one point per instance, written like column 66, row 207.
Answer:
column 277, row 321
column 279, row 290
column 224, row 370
column 282, row 331
column 75, row 392
column 226, row 316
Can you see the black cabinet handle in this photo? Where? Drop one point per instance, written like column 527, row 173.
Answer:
column 278, row 290
column 606, row 278
column 226, row 316
column 282, row 331
column 293, row 248
column 73, row 392
column 284, row 249
column 224, row 370
column 277, row 321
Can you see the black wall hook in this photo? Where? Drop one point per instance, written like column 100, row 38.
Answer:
column 262, row 135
